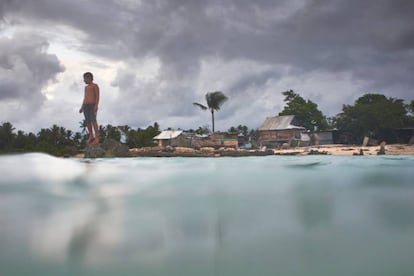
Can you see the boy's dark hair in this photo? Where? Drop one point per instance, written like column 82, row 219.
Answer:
column 88, row 75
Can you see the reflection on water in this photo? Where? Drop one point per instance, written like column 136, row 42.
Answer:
column 319, row 215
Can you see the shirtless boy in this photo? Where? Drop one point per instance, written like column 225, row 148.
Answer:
column 90, row 107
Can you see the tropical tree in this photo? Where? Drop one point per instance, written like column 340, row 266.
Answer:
column 113, row 132
column 214, row 101
column 306, row 112
column 410, row 119
column 202, row 130
column 83, row 126
column 411, row 107
column 142, row 137
column 79, row 140
column 240, row 129
column 20, row 142
column 374, row 115
column 6, row 135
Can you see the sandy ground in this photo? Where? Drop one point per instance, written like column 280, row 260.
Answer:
column 395, row 149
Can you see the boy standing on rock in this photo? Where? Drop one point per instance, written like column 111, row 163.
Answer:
column 90, row 107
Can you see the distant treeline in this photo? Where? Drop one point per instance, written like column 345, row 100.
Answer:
column 59, row 141
column 372, row 115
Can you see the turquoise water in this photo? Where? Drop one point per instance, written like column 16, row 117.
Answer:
column 274, row 215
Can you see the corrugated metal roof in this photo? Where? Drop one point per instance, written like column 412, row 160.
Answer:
column 168, row 134
column 279, row 123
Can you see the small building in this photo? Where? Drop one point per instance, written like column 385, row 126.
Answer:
column 174, row 138
column 216, row 140
column 243, row 141
column 276, row 131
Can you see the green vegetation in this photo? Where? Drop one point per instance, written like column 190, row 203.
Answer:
column 372, row 115
column 200, row 130
column 55, row 140
column 306, row 112
column 142, row 138
column 240, row 129
column 214, row 101
column 410, row 108
column 59, row 142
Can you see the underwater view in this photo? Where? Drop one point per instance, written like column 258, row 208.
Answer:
column 273, row 215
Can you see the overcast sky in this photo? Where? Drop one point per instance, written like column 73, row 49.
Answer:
column 153, row 58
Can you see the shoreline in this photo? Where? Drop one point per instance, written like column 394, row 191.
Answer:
column 346, row 150
column 333, row 149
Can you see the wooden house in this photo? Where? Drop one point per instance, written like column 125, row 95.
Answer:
column 278, row 130
column 216, row 140
column 174, row 138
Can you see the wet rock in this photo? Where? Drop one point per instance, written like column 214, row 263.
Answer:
column 94, row 151
column 285, row 146
column 317, row 152
column 361, row 152
column 109, row 148
column 115, row 149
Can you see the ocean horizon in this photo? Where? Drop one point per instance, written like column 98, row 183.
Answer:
column 271, row 215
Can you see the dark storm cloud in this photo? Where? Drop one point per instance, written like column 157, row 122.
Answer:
column 311, row 35
column 26, row 68
column 371, row 41
column 342, row 35
column 3, row 7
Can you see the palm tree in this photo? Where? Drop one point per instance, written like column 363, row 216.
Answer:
column 214, row 102
column 6, row 135
column 83, row 126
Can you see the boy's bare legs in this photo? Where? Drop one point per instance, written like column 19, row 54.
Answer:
column 91, row 138
column 96, row 128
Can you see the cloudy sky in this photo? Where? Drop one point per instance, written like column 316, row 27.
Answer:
column 153, row 58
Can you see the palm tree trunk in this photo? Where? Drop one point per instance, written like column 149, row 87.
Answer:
column 212, row 119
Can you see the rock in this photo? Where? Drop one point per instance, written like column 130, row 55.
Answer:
column 207, row 149
column 411, row 142
column 183, row 149
column 94, row 151
column 115, row 149
column 168, row 149
column 109, row 148
column 317, row 152
column 285, row 146
column 361, row 152
column 382, row 149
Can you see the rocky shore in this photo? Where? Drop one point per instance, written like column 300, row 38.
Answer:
column 394, row 149
column 190, row 152
column 111, row 148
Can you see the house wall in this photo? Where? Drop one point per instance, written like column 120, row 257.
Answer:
column 179, row 141
column 277, row 137
column 216, row 140
column 163, row 143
